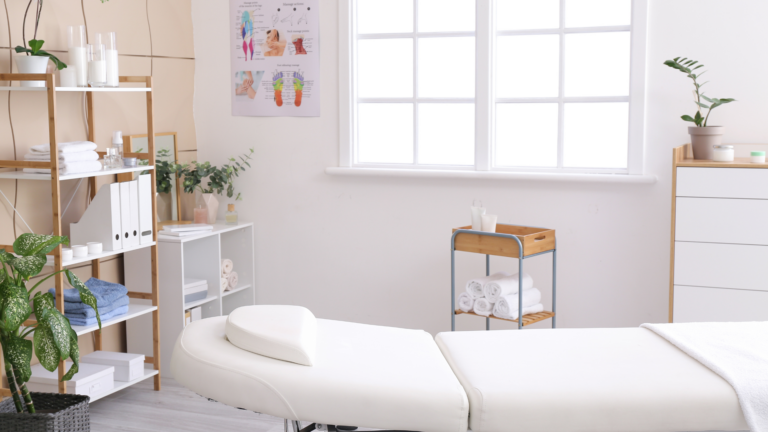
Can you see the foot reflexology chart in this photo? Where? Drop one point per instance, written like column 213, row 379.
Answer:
column 275, row 58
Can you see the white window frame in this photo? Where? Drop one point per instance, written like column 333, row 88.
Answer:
column 484, row 100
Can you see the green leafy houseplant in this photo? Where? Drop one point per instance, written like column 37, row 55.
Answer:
column 688, row 67
column 219, row 179
column 35, row 45
column 52, row 336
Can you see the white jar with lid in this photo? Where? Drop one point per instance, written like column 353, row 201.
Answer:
column 723, row 153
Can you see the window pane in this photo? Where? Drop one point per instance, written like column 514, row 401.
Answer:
column 596, row 135
column 447, row 67
column 385, row 68
column 447, row 134
column 595, row 13
column 527, row 14
column 527, row 66
column 385, row 133
column 390, row 16
column 526, row 135
column 597, row 64
column 445, row 15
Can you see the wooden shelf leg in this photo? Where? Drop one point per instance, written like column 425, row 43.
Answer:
column 154, row 249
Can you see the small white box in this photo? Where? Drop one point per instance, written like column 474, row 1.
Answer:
column 197, row 313
column 128, row 367
column 89, row 381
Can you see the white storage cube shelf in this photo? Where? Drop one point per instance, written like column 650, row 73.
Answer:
column 89, row 381
column 128, row 367
column 182, row 261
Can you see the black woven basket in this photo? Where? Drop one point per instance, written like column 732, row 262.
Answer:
column 71, row 414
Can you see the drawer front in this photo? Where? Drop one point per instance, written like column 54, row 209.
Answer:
column 721, row 265
column 699, row 304
column 722, row 182
column 720, row 220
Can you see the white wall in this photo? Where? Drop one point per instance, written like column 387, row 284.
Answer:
column 376, row 250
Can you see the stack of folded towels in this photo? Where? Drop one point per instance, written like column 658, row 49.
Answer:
column 498, row 293
column 228, row 276
column 74, row 157
column 111, row 300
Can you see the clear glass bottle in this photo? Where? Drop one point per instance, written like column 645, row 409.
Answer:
column 110, row 45
column 97, row 64
column 231, row 216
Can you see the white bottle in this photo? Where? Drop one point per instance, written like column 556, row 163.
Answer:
column 78, row 55
column 110, row 42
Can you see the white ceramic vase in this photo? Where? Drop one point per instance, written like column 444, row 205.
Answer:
column 213, row 207
column 703, row 139
column 32, row 65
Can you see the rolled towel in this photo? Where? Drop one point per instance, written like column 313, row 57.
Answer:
column 483, row 307
column 526, row 311
column 224, row 284
column 508, row 304
column 475, row 286
column 65, row 147
column 466, row 302
column 64, row 157
column 500, row 287
column 232, row 279
column 226, row 266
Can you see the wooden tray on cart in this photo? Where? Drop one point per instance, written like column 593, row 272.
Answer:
column 534, row 240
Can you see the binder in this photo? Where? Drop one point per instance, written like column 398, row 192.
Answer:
column 101, row 221
column 134, row 197
column 125, row 213
column 145, row 209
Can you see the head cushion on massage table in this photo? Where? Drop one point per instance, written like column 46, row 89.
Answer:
column 282, row 332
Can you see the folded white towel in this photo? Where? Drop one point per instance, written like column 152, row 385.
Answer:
column 232, row 279
column 483, row 307
column 475, row 286
column 66, row 147
column 508, row 304
column 466, row 301
column 226, row 266
column 36, row 171
column 498, row 288
column 66, row 168
column 89, row 155
column 526, row 311
column 224, row 284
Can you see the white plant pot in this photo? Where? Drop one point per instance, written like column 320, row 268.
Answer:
column 213, row 207
column 32, row 65
column 703, row 139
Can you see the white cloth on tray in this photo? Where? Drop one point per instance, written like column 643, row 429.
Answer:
column 498, row 288
column 65, row 147
column 507, row 304
column 475, row 285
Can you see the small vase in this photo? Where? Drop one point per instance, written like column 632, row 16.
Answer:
column 201, row 210
column 213, row 207
column 703, row 140
column 32, row 65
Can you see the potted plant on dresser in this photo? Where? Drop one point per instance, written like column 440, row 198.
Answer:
column 703, row 136
column 53, row 339
column 34, row 60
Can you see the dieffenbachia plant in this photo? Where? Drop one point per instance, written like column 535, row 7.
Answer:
column 688, row 67
column 52, row 336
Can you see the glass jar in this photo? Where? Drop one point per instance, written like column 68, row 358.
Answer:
column 201, row 210
column 231, row 216
column 723, row 153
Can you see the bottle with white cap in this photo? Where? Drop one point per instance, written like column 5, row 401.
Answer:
column 117, row 142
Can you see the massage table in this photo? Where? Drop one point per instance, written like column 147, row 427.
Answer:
column 592, row 380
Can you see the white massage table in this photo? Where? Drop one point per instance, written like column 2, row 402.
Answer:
column 535, row 380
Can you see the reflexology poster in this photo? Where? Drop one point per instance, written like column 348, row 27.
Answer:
column 275, row 56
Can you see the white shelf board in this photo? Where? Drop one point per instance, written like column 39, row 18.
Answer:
column 78, row 89
column 218, row 228
column 134, row 310
column 238, row 289
column 119, row 385
column 20, row 175
column 105, row 254
column 196, row 303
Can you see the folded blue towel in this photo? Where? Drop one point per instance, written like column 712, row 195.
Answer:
column 82, row 310
column 105, row 292
column 79, row 321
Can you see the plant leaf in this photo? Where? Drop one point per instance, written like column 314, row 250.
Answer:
column 45, row 347
column 688, row 118
column 14, row 306
column 58, row 324
column 6, row 257
column 35, row 45
column 74, row 354
column 29, row 266
column 85, row 294
column 18, row 352
column 702, row 105
column 33, row 244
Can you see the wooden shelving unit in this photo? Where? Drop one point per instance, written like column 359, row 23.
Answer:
column 142, row 303
column 511, row 241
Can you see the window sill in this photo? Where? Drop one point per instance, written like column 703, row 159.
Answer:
column 491, row 175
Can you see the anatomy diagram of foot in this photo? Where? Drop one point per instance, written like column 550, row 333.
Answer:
column 298, row 86
column 277, row 85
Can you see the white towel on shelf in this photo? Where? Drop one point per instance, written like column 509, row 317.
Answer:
column 466, row 302
column 36, row 171
column 498, row 288
column 226, row 266
column 89, row 155
column 224, row 284
column 66, row 168
column 526, row 311
column 65, row 147
column 483, row 307
column 508, row 304
column 475, row 286
column 232, row 279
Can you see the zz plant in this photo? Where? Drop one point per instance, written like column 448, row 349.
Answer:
column 688, row 67
column 52, row 336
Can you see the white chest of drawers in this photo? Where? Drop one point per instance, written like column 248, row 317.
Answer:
column 719, row 245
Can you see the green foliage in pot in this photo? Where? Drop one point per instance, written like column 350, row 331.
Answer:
column 52, row 336
column 688, row 67
column 219, row 179
column 35, row 45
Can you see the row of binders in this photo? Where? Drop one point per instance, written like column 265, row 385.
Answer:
column 119, row 217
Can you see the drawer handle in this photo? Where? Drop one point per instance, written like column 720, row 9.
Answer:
column 540, row 238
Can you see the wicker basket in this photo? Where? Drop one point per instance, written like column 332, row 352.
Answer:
column 71, row 414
